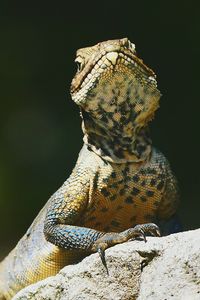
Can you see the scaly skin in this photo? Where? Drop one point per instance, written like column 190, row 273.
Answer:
column 119, row 180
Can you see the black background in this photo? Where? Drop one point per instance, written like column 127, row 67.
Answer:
column 40, row 134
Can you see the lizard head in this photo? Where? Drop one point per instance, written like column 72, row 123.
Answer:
column 112, row 82
column 117, row 94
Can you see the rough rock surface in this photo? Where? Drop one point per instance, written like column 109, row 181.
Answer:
column 170, row 270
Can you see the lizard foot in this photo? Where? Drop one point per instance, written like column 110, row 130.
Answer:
column 112, row 238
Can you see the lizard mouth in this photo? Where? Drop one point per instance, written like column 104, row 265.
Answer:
column 106, row 65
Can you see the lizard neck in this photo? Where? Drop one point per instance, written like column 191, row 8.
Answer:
column 112, row 143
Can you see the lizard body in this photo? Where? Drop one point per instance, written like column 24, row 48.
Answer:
column 119, row 180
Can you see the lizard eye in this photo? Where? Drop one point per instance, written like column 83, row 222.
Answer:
column 80, row 63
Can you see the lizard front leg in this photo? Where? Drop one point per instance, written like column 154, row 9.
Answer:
column 66, row 210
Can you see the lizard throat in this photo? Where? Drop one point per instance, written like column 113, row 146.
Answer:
column 116, row 115
column 112, row 146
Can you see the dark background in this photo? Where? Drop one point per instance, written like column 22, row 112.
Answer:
column 40, row 134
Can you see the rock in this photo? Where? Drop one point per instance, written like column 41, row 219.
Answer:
column 170, row 270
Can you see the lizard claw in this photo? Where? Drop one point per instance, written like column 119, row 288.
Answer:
column 102, row 256
column 100, row 247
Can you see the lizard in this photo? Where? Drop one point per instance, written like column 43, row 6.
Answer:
column 121, row 186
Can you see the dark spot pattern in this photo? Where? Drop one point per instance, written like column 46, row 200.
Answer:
column 143, row 172
column 135, row 191
column 105, row 192
column 113, row 175
column 143, row 199
column 151, row 171
column 140, row 149
column 160, row 185
column 113, row 197
column 136, row 178
column 122, row 192
column 119, row 153
column 153, row 182
column 125, row 171
column 114, row 185
column 115, row 223
column 129, row 200
column 149, row 193
column 120, row 181
column 127, row 179
column 105, row 180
